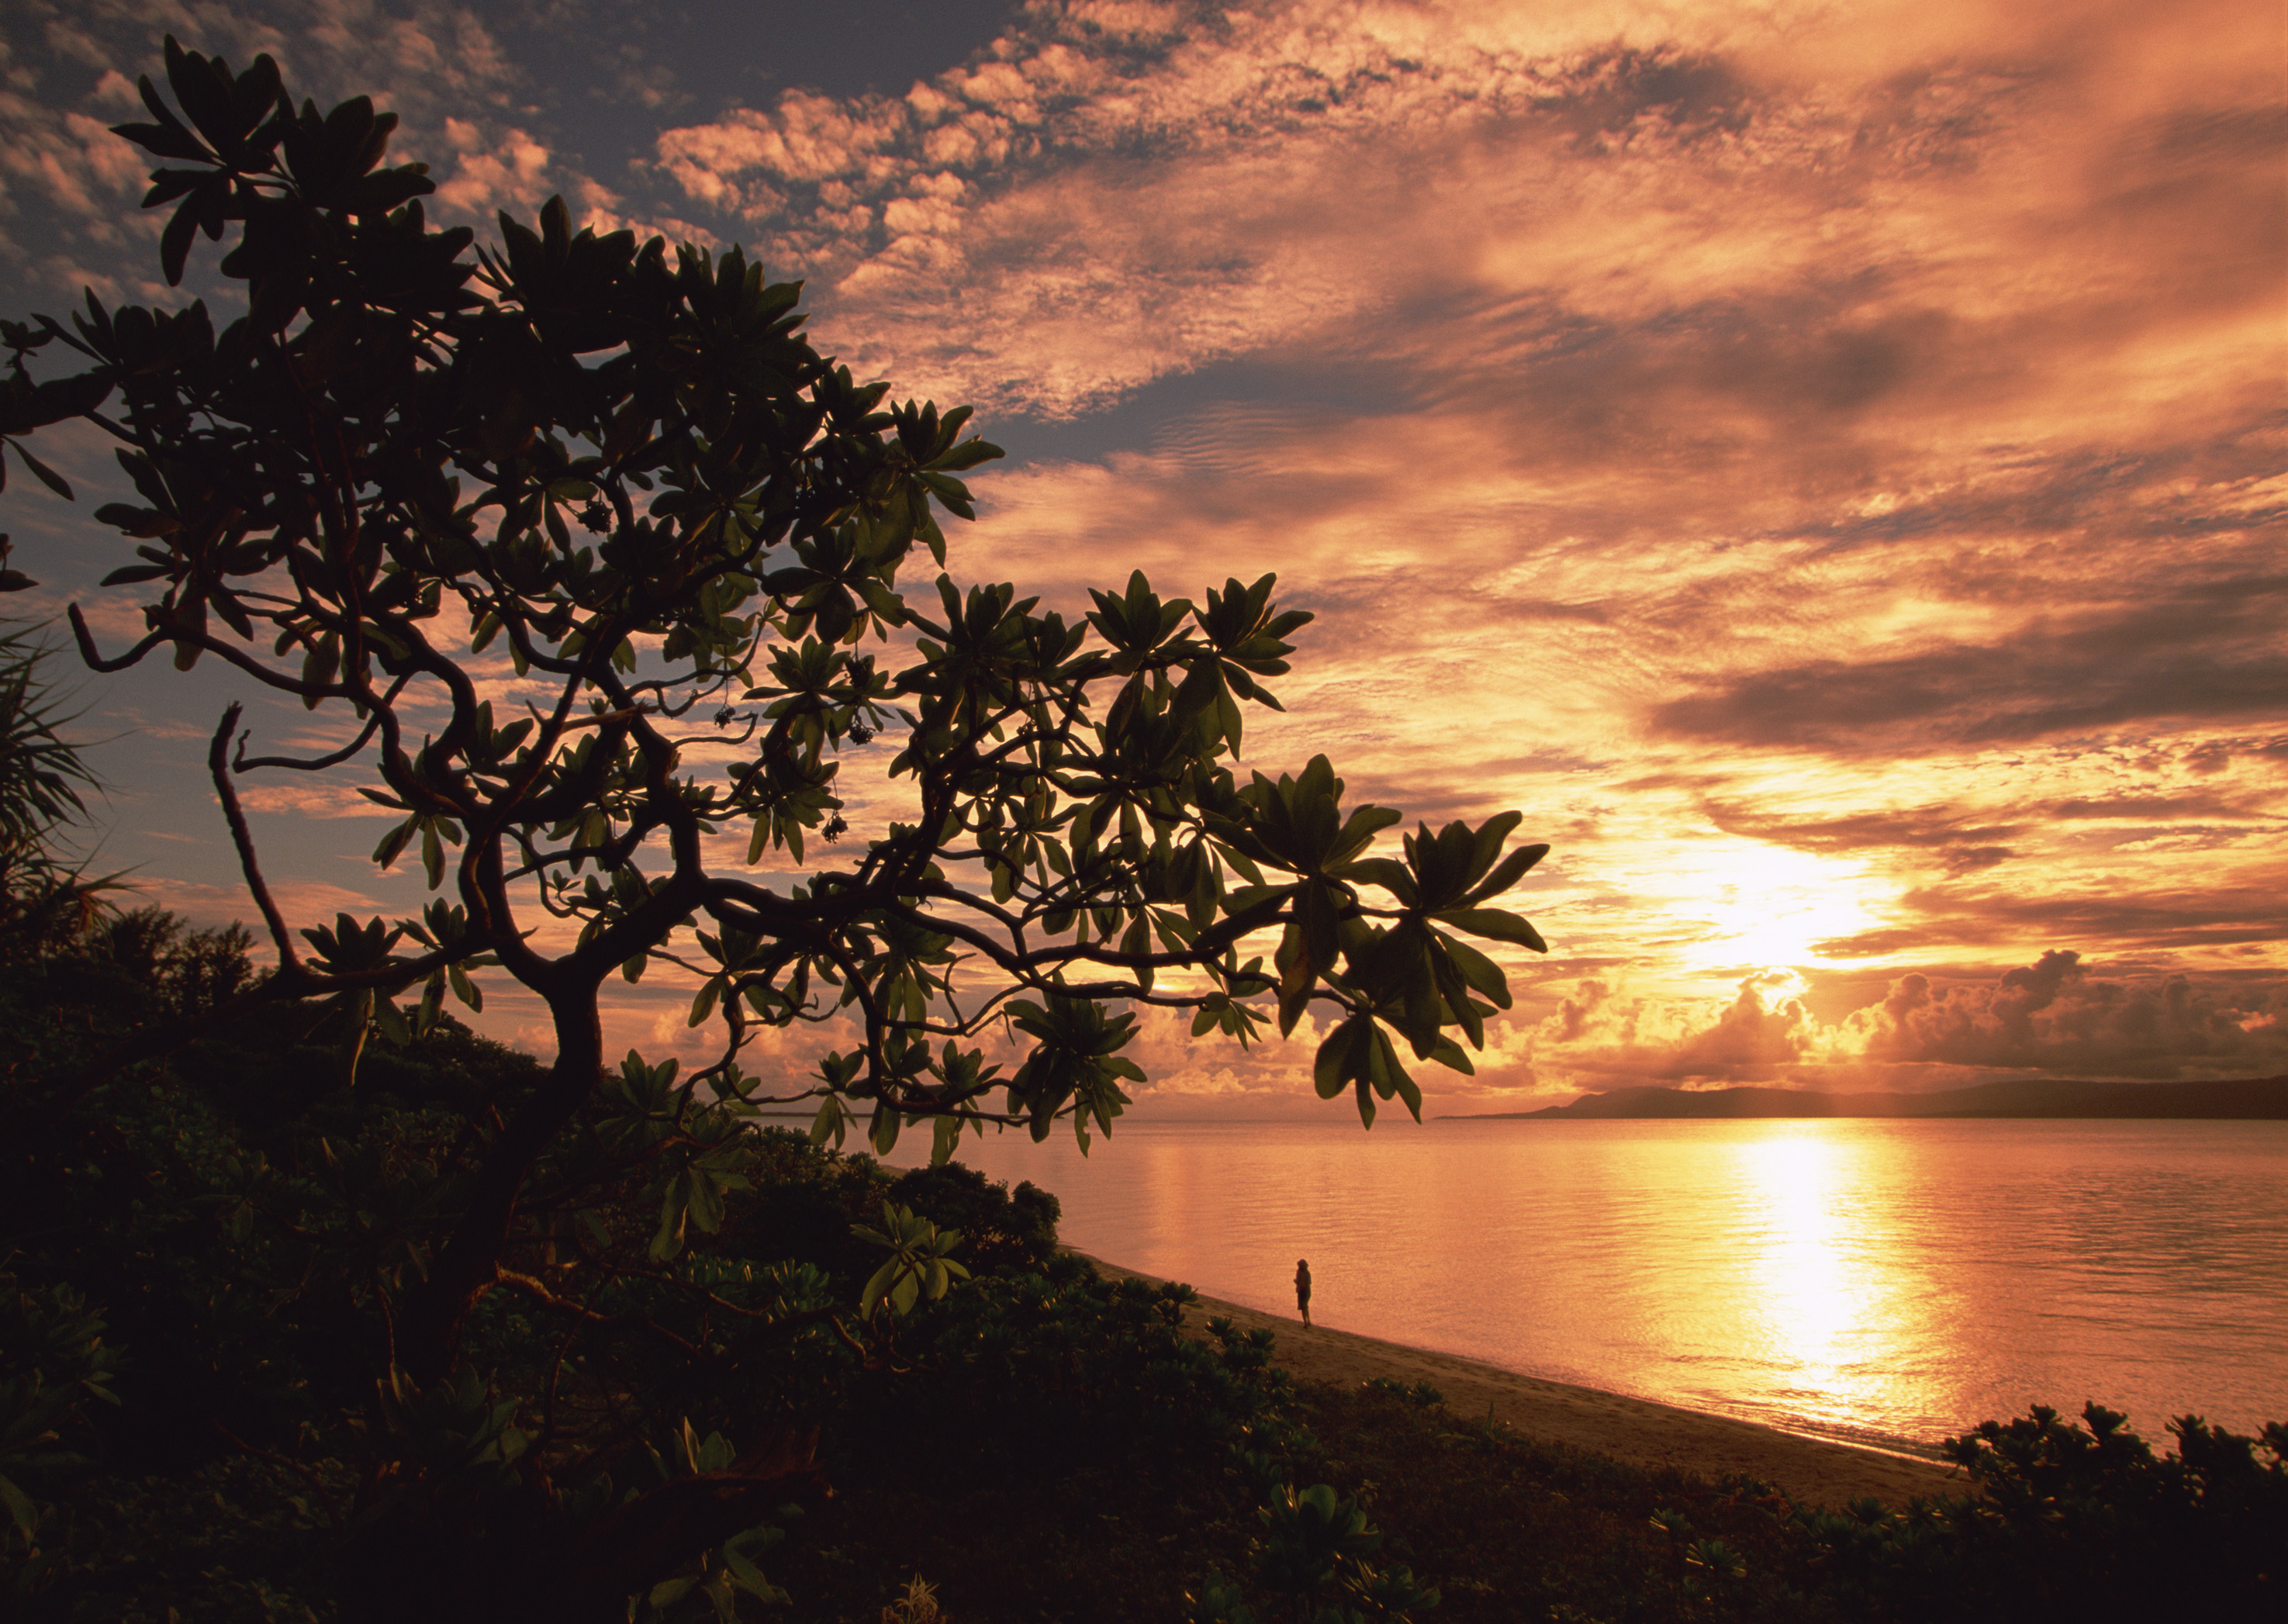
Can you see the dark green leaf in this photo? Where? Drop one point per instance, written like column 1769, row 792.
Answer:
column 45, row 475
column 1495, row 923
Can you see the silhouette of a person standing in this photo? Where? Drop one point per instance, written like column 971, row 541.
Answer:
column 1303, row 1287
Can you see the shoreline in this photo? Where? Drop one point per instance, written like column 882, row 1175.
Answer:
column 1638, row 1432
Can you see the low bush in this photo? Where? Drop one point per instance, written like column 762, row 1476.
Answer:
column 2072, row 1523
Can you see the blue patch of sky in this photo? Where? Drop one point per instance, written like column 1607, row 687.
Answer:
column 633, row 71
column 1337, row 388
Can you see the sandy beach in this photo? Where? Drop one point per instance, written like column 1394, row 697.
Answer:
column 1637, row 1431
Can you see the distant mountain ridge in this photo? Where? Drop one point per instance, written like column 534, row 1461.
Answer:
column 2247, row 1098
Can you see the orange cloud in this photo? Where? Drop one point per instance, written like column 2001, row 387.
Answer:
column 1823, row 464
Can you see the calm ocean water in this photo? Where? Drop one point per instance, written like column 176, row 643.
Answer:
column 1869, row 1278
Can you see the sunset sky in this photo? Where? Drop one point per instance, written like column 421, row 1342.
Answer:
column 1825, row 465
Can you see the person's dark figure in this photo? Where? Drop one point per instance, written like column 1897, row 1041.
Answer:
column 1303, row 1288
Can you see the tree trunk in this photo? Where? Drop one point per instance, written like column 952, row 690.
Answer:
column 429, row 1337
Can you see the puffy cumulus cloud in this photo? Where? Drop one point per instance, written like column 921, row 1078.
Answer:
column 428, row 60
column 492, row 172
column 80, row 168
column 653, row 1019
column 2057, row 1016
column 806, row 138
column 1604, row 1034
column 1215, row 1070
column 600, row 209
column 2053, row 1015
column 1762, row 1029
column 1103, row 206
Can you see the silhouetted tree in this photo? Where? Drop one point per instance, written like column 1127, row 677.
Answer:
column 415, row 465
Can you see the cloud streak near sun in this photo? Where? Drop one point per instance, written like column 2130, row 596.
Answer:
column 1825, row 465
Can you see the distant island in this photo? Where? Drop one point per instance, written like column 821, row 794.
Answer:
column 2248, row 1099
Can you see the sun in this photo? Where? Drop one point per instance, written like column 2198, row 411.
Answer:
column 1750, row 902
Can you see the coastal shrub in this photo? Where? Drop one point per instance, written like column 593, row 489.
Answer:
column 1072, row 1417
column 47, row 897
column 1506, row 1528
column 1030, row 1373
column 52, row 1362
column 2079, row 1523
column 1312, row 1558
column 1007, row 1231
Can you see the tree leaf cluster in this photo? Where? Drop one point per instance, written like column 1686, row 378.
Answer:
column 629, row 471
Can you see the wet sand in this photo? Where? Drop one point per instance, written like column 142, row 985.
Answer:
column 1635, row 1431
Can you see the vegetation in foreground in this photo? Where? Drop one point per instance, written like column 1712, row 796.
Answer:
column 187, row 1430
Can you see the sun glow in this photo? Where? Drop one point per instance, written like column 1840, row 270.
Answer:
column 1780, row 982
column 1758, row 903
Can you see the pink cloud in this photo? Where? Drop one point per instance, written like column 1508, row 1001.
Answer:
column 1823, row 465
column 2053, row 1015
column 1141, row 202
column 309, row 797
column 507, row 170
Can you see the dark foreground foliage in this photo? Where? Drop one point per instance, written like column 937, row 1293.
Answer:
column 626, row 469
column 2075, row 1523
column 189, row 1428
column 200, row 1261
column 2052, row 1522
column 581, row 1341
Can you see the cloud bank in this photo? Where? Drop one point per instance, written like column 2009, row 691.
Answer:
column 1825, row 465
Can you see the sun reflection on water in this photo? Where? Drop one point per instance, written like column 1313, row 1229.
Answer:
column 1831, row 1317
